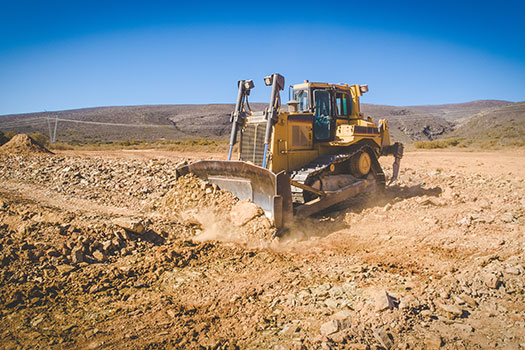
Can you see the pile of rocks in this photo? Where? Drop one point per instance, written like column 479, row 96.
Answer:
column 217, row 214
column 124, row 183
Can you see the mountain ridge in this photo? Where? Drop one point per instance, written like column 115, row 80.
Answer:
column 191, row 121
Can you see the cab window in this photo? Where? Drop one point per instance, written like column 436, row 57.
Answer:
column 322, row 103
column 343, row 103
column 302, row 97
column 322, row 120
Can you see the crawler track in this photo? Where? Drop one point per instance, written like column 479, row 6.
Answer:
column 320, row 167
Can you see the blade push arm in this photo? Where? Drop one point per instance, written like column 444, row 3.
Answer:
column 238, row 116
column 277, row 82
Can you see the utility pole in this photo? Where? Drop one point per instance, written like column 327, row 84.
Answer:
column 49, row 127
column 55, row 133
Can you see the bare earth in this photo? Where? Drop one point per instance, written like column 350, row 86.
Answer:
column 436, row 262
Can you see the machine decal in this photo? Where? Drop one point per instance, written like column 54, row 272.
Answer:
column 301, row 118
column 365, row 130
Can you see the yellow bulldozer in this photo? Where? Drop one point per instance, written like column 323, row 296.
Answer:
column 320, row 152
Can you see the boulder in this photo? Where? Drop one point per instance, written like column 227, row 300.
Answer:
column 451, row 310
column 107, row 245
column 244, row 211
column 384, row 301
column 76, row 255
column 434, row 342
column 344, row 318
column 130, row 224
column 99, row 256
column 383, row 338
column 491, row 280
column 53, row 252
column 331, row 303
column 329, row 327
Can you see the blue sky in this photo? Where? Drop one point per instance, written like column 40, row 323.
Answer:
column 58, row 55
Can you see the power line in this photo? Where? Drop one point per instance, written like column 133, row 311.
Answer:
column 21, row 123
column 55, row 134
column 21, row 126
column 115, row 124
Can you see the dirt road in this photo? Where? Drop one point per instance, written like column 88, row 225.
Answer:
column 92, row 259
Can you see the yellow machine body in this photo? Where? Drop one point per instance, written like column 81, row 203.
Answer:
column 318, row 153
column 293, row 142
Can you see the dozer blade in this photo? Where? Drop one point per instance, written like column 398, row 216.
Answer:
column 269, row 191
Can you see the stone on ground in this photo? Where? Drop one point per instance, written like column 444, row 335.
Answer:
column 244, row 211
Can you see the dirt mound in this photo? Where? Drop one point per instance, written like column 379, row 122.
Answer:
column 23, row 144
column 217, row 214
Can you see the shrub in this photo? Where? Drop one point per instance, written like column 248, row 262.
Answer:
column 40, row 138
column 439, row 143
column 517, row 143
column 62, row 146
column 10, row 134
column 492, row 144
column 3, row 138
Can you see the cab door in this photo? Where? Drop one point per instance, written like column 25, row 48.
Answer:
column 324, row 116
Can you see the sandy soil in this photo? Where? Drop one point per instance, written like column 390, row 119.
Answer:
column 91, row 259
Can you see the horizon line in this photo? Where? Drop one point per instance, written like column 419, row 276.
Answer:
column 232, row 103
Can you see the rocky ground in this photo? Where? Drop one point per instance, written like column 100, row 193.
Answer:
column 103, row 251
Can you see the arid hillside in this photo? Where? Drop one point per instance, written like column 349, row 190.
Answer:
column 102, row 124
column 109, row 124
column 505, row 123
column 414, row 123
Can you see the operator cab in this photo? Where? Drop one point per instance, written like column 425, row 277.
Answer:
column 327, row 103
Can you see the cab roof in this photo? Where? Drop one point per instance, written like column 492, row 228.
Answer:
column 321, row 85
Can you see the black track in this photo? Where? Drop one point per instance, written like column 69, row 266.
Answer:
column 321, row 167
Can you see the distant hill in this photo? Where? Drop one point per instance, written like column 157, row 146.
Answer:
column 105, row 124
column 101, row 124
column 460, row 111
column 409, row 124
column 413, row 123
column 504, row 123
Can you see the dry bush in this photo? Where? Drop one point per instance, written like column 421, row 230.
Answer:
column 61, row 146
column 40, row 138
column 10, row 134
column 3, row 138
column 517, row 143
column 439, row 143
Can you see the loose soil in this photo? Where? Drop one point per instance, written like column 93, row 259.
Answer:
column 111, row 251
